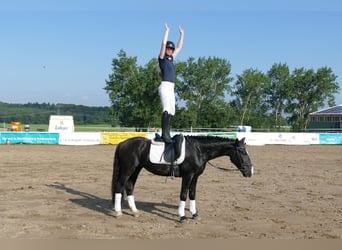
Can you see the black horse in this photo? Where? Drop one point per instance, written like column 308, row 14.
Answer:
column 133, row 154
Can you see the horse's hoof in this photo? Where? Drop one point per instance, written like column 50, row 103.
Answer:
column 118, row 214
column 196, row 216
column 183, row 220
column 136, row 213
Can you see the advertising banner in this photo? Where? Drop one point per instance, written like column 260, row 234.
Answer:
column 117, row 137
column 79, row 138
column 230, row 135
column 330, row 138
column 29, row 138
column 152, row 135
column 61, row 124
column 256, row 138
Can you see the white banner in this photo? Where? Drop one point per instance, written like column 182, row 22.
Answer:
column 61, row 124
column 256, row 138
column 79, row 138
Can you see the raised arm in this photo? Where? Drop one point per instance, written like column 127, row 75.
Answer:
column 180, row 42
column 165, row 38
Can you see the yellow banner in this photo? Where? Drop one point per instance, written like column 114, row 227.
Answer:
column 117, row 137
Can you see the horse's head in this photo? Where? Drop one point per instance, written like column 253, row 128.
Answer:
column 240, row 158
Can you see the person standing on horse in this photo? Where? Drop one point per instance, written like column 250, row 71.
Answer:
column 168, row 53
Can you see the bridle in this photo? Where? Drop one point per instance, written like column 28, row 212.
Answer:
column 222, row 168
column 227, row 169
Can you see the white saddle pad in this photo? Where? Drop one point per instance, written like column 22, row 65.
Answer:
column 157, row 150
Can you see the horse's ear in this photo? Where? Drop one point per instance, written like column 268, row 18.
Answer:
column 241, row 142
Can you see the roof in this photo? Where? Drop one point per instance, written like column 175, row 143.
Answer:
column 336, row 110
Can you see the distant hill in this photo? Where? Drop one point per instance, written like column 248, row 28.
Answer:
column 36, row 113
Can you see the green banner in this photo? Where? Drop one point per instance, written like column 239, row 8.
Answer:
column 230, row 135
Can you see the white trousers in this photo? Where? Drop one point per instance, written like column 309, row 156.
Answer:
column 166, row 92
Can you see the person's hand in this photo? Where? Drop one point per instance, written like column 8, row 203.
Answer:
column 166, row 27
column 180, row 30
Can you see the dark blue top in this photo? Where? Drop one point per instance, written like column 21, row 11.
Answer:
column 167, row 68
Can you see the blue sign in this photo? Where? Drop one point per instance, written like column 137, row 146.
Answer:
column 29, row 138
column 330, row 138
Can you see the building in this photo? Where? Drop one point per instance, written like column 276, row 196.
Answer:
column 326, row 120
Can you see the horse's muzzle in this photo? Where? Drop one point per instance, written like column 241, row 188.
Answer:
column 248, row 172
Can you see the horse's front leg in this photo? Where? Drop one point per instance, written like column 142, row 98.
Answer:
column 192, row 197
column 183, row 194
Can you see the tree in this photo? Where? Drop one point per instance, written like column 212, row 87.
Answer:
column 310, row 91
column 277, row 91
column 148, row 100
column 217, row 114
column 35, row 113
column 202, row 85
column 250, row 95
column 133, row 91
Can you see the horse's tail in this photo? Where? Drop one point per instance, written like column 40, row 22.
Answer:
column 116, row 167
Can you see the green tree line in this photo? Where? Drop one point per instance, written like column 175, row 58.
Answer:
column 209, row 97
column 35, row 113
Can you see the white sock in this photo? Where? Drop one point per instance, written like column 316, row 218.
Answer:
column 181, row 209
column 192, row 207
column 131, row 202
column 117, row 204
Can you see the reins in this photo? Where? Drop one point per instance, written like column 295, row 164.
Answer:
column 221, row 168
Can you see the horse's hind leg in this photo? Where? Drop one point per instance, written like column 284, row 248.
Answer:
column 129, row 191
column 131, row 204
column 118, row 195
column 117, row 204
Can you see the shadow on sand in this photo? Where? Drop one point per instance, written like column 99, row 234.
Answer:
column 104, row 206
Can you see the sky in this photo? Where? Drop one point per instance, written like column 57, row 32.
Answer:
column 61, row 51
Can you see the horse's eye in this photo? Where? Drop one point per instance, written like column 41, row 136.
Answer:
column 242, row 151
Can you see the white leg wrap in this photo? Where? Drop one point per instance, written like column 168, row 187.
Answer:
column 117, row 204
column 181, row 209
column 193, row 207
column 131, row 202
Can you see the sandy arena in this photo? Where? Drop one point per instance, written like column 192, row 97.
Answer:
column 63, row 192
